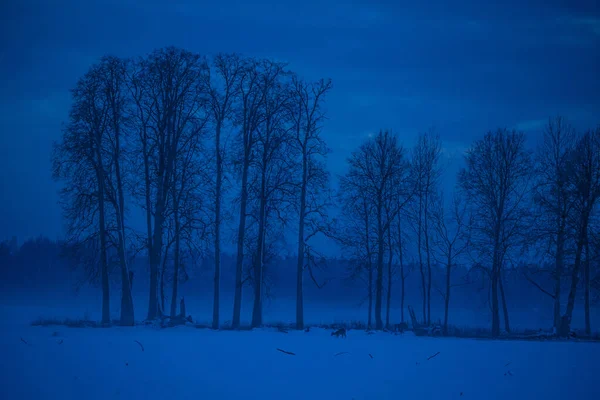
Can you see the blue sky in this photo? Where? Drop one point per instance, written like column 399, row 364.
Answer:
column 462, row 68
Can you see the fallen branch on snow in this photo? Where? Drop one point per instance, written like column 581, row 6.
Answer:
column 430, row 357
column 141, row 345
column 339, row 354
column 287, row 352
column 24, row 341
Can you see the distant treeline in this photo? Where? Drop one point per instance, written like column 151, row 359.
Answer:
column 44, row 265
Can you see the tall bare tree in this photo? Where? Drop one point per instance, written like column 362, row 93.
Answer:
column 114, row 77
column 496, row 181
column 554, row 201
column 174, row 95
column 426, row 172
column 307, row 114
column 250, row 98
column 584, row 186
column 223, row 92
column 187, row 207
column 451, row 241
column 79, row 160
column 354, row 233
column 399, row 245
column 372, row 170
column 272, row 166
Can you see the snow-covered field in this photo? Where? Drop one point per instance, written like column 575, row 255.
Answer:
column 188, row 363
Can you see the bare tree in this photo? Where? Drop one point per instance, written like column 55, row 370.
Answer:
column 174, row 95
column 584, row 186
column 496, row 183
column 451, row 241
column 249, row 117
column 402, row 189
column 79, row 160
column 372, row 169
column 399, row 245
column 554, row 202
column 191, row 179
column 354, row 232
column 141, row 113
column 307, row 115
column 114, row 81
column 223, row 92
column 426, row 155
column 272, row 166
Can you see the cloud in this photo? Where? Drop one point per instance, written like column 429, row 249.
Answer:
column 589, row 24
column 531, row 125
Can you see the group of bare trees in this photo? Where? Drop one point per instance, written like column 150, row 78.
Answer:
column 175, row 135
column 567, row 193
column 510, row 208
column 199, row 145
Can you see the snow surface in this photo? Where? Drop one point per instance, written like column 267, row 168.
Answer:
column 188, row 363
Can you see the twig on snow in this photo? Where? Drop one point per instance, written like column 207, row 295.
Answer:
column 430, row 357
column 339, row 354
column 141, row 345
column 287, row 352
column 24, row 341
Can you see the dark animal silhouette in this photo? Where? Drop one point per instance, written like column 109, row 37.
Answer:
column 340, row 332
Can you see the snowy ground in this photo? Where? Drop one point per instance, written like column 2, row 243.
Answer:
column 188, row 363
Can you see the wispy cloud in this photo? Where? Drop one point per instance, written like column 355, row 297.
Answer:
column 531, row 125
column 589, row 24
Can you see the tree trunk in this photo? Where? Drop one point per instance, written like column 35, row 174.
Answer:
column 389, row 288
column 495, row 276
column 301, row 246
column 369, row 320
column 428, row 252
column 154, row 263
column 219, row 184
column 127, row 313
column 402, row 276
column 369, row 264
column 155, row 259
column 423, row 285
column 504, row 306
column 379, row 279
column 448, row 286
column 258, row 262
column 103, row 257
column 102, row 234
column 175, row 259
column 566, row 319
column 495, row 306
column 163, row 273
column 301, row 243
column 239, row 265
column 586, row 277
column 560, row 247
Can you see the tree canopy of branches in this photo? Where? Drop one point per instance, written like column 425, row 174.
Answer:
column 375, row 171
column 496, row 181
